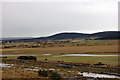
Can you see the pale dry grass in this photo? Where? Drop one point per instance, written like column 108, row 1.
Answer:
column 57, row 50
column 18, row 73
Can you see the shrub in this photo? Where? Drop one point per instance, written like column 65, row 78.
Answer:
column 3, row 57
column 43, row 73
column 55, row 76
column 27, row 57
column 50, row 73
column 45, row 59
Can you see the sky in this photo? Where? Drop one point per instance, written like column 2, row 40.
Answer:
column 40, row 18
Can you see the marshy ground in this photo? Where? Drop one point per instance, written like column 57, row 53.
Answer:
column 50, row 56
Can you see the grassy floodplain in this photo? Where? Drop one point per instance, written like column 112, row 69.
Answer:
column 54, row 51
column 111, row 60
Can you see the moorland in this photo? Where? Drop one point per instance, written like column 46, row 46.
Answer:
column 71, row 55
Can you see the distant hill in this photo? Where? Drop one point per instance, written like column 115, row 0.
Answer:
column 108, row 35
column 67, row 36
column 100, row 35
column 15, row 38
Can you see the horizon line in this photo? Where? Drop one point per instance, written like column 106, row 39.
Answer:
column 55, row 34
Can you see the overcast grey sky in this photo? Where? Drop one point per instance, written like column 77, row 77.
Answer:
column 43, row 18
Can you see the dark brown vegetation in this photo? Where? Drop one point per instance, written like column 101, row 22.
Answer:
column 27, row 57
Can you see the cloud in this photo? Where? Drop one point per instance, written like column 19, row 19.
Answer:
column 43, row 18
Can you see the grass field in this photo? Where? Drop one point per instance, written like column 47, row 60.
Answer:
column 112, row 60
column 58, row 50
column 100, row 47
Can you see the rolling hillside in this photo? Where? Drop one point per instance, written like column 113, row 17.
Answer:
column 96, row 36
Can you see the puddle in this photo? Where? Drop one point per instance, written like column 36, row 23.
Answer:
column 52, row 69
column 86, row 74
column 5, row 65
column 16, row 55
column 9, row 55
column 31, row 69
column 18, row 52
column 91, row 55
column 46, row 54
